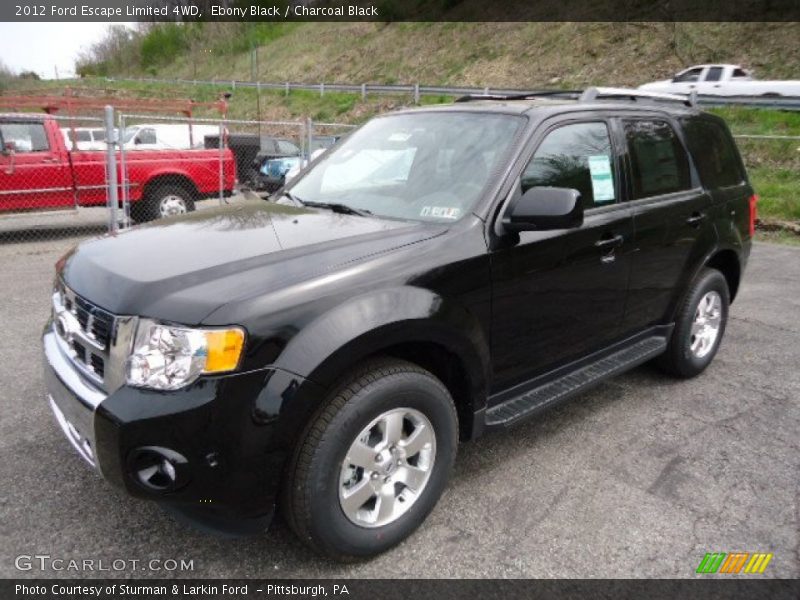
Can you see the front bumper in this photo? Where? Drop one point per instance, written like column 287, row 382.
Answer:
column 223, row 443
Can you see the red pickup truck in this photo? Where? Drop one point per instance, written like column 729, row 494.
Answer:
column 39, row 172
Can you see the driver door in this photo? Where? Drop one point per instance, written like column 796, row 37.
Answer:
column 559, row 295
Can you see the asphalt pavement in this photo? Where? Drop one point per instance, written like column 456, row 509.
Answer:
column 639, row 477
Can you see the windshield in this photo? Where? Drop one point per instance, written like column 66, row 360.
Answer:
column 422, row 166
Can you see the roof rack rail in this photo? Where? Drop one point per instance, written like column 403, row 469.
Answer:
column 594, row 93
column 520, row 96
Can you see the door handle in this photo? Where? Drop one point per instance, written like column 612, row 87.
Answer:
column 696, row 219
column 607, row 243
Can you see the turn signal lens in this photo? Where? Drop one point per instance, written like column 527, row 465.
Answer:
column 224, row 350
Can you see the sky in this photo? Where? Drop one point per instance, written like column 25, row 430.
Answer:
column 41, row 47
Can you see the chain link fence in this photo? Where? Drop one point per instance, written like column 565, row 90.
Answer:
column 77, row 176
column 60, row 177
column 53, row 176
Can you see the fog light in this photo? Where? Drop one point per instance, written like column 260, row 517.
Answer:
column 158, row 469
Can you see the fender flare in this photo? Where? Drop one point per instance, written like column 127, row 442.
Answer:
column 373, row 323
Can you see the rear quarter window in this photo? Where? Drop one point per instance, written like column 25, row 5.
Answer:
column 714, row 153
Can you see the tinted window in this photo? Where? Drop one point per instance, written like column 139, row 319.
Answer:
column 578, row 157
column 690, row 75
column 714, row 74
column 658, row 161
column 739, row 73
column 27, row 137
column 714, row 153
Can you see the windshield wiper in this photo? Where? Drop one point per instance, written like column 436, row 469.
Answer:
column 337, row 207
column 293, row 198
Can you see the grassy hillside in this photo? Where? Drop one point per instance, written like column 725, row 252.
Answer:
column 481, row 54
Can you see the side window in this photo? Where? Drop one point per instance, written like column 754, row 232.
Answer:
column 27, row 137
column 285, row 147
column 575, row 156
column 658, row 161
column 714, row 153
column 147, row 136
column 739, row 73
column 714, row 74
column 688, row 76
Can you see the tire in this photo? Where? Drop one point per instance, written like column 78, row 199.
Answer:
column 162, row 200
column 318, row 480
column 690, row 352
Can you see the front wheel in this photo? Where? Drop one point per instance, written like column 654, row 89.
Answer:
column 373, row 462
column 162, row 200
column 699, row 326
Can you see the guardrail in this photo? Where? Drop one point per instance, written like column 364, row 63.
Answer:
column 417, row 90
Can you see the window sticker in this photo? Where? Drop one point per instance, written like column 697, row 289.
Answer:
column 602, row 182
column 440, row 212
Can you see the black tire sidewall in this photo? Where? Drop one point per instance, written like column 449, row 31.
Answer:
column 687, row 363
column 328, row 523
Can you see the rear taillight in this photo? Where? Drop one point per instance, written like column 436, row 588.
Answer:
column 753, row 214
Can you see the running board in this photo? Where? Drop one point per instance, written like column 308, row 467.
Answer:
column 574, row 382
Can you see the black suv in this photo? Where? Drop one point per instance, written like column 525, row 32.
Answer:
column 443, row 272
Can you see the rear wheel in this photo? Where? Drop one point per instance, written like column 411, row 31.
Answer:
column 699, row 326
column 373, row 462
column 162, row 200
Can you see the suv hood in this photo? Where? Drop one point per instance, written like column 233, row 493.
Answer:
column 182, row 269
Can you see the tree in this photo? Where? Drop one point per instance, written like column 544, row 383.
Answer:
column 6, row 75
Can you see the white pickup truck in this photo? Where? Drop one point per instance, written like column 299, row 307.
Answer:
column 722, row 80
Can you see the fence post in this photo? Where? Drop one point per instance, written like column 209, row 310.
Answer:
column 287, row 88
column 310, row 137
column 123, row 173
column 112, row 199
column 321, row 90
column 486, row 91
column 416, row 93
column 364, row 92
column 221, row 145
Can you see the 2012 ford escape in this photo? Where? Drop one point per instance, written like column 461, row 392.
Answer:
column 441, row 273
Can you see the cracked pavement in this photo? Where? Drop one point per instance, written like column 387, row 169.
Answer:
column 639, row 477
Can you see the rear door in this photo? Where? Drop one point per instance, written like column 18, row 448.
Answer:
column 36, row 174
column 559, row 295
column 721, row 172
column 671, row 216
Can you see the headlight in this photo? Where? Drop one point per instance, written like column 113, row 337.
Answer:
column 167, row 358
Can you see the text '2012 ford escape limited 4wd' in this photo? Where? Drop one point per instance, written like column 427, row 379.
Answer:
column 440, row 273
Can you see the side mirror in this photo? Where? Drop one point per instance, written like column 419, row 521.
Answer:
column 544, row 209
column 137, row 140
column 9, row 148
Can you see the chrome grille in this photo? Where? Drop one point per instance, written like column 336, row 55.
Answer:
column 84, row 332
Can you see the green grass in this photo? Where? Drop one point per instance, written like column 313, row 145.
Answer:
column 760, row 121
column 778, row 191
